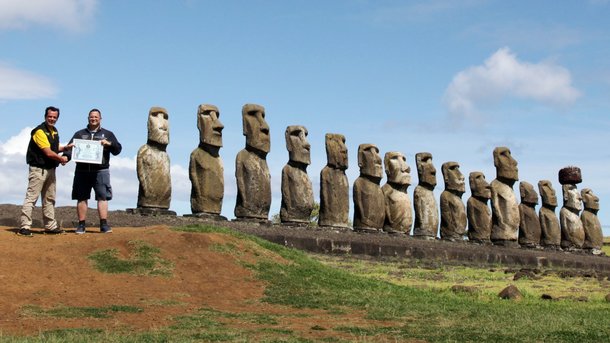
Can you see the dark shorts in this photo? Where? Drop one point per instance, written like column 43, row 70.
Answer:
column 99, row 181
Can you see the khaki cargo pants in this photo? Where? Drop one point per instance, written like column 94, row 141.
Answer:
column 40, row 182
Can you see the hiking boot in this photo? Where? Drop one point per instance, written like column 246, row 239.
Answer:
column 25, row 232
column 105, row 228
column 80, row 229
column 54, row 231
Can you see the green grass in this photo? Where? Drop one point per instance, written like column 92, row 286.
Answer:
column 430, row 314
column 212, row 325
column 144, row 259
column 402, row 302
column 487, row 281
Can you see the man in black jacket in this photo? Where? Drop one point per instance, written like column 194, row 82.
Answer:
column 43, row 157
column 89, row 176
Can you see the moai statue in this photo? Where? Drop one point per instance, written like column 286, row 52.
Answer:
column 398, row 211
column 594, row 238
column 572, row 230
column 504, row 206
column 529, row 224
column 550, row 231
column 369, row 203
column 153, row 167
column 453, row 211
column 424, row 203
column 334, row 186
column 251, row 170
column 478, row 212
column 297, row 192
column 205, row 166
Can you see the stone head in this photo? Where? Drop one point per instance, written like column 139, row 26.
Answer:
column 158, row 125
column 255, row 127
column 396, row 168
column 547, row 193
column 506, row 165
column 453, row 177
column 528, row 194
column 479, row 187
column 571, row 197
column 369, row 160
column 297, row 144
column 590, row 200
column 425, row 169
column 336, row 151
column 209, row 125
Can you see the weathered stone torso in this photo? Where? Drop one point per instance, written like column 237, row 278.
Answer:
column 529, row 226
column 334, row 198
column 505, row 212
column 549, row 228
column 453, row 216
column 253, row 186
column 479, row 220
column 594, row 238
column 153, row 169
column 297, row 195
column 207, row 182
column 572, row 231
column 426, row 212
column 369, row 205
column 398, row 211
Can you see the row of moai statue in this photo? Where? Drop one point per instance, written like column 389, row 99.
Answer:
column 386, row 208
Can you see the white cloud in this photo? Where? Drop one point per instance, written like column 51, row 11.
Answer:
column 16, row 145
column 72, row 15
column 503, row 75
column 13, row 169
column 21, row 84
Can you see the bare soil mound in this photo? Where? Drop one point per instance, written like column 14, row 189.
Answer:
column 54, row 271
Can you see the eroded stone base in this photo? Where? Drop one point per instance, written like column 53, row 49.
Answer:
column 146, row 211
column 295, row 224
column 207, row 216
column 260, row 221
column 367, row 230
column 506, row 243
column 337, row 228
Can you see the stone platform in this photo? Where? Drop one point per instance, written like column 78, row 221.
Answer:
column 349, row 243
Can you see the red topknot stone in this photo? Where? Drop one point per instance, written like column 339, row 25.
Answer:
column 570, row 175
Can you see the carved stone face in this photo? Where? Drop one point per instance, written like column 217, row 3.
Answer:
column 547, row 193
column 396, row 168
column 158, row 125
column 590, row 200
column 479, row 187
column 528, row 194
column 571, row 197
column 506, row 165
column 425, row 169
column 297, row 144
column 369, row 160
column 209, row 125
column 336, row 151
column 255, row 127
column 453, row 177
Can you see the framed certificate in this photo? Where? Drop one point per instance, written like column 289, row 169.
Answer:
column 87, row 151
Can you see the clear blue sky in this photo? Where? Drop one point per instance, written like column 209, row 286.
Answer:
column 454, row 78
